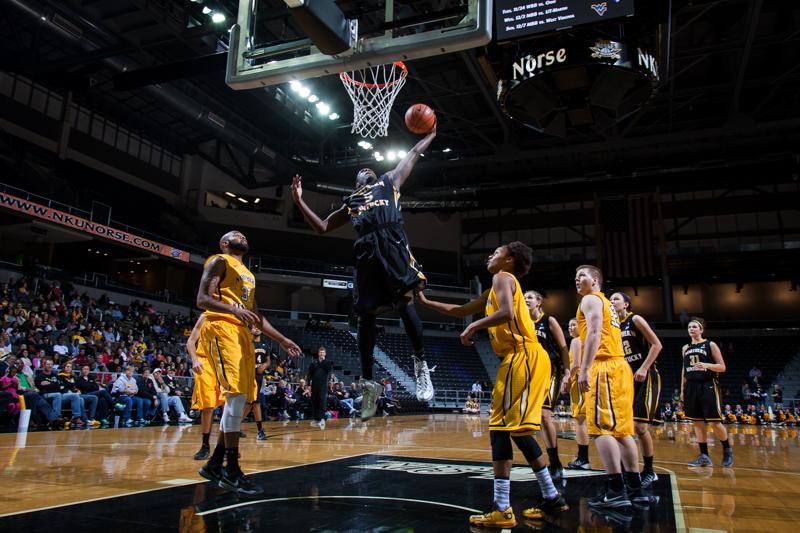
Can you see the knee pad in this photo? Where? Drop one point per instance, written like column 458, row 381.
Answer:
column 529, row 447
column 232, row 413
column 501, row 446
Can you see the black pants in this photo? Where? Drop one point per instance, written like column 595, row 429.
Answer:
column 319, row 401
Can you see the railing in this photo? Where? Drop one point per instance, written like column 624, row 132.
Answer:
column 455, row 398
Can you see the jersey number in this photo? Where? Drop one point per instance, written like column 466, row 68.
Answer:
column 626, row 347
column 246, row 293
column 694, row 359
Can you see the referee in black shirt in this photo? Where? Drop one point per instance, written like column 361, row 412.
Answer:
column 318, row 373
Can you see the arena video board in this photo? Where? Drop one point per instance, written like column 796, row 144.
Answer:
column 521, row 18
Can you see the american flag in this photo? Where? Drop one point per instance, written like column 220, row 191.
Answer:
column 627, row 229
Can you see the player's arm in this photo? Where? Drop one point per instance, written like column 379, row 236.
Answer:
column 472, row 307
column 718, row 365
column 575, row 350
column 191, row 345
column 269, row 330
column 655, row 347
column 592, row 308
column 561, row 344
column 335, row 220
column 403, row 169
column 504, row 287
column 683, row 369
column 209, row 286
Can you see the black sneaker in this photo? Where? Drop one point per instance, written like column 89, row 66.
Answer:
column 261, row 436
column 579, row 464
column 211, row 472
column 556, row 474
column 727, row 458
column 611, row 499
column 547, row 507
column 703, row 460
column 203, row 453
column 648, row 478
column 616, row 518
column 242, row 435
column 236, row 481
column 642, row 496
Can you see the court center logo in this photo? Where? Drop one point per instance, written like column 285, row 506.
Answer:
column 518, row 473
column 600, row 8
column 606, row 50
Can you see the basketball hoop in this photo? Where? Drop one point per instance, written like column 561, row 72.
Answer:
column 373, row 90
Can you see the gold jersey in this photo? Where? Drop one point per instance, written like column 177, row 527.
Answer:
column 236, row 288
column 511, row 336
column 610, row 335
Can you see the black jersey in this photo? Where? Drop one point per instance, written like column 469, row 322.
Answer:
column 545, row 337
column 633, row 343
column 262, row 349
column 374, row 206
column 698, row 353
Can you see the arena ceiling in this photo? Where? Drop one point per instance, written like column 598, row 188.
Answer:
column 727, row 110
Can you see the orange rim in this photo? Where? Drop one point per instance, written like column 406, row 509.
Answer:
column 345, row 77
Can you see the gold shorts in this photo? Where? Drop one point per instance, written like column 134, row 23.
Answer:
column 609, row 400
column 233, row 359
column 577, row 400
column 519, row 390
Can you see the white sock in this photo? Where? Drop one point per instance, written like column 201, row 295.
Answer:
column 502, row 491
column 546, row 483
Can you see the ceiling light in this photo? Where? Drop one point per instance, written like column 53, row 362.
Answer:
column 242, row 200
column 206, row 10
column 218, row 18
column 447, row 150
column 366, row 145
column 97, row 252
column 323, row 108
column 333, row 116
column 313, row 98
column 230, row 194
column 401, row 154
column 304, row 91
column 131, row 271
column 145, row 270
column 105, row 255
column 138, row 263
column 295, row 85
column 391, row 155
column 256, row 200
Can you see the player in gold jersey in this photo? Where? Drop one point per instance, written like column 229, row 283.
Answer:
column 520, row 386
column 607, row 381
column 206, row 395
column 576, row 400
column 227, row 294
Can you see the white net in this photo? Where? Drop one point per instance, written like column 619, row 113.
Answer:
column 373, row 91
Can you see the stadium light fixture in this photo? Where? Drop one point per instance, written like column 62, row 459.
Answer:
column 206, row 10
column 295, row 85
column 242, row 200
column 313, row 98
column 218, row 18
column 323, row 108
column 256, row 200
column 230, row 194
column 304, row 91
column 447, row 150
column 333, row 116
column 391, row 155
column 401, row 154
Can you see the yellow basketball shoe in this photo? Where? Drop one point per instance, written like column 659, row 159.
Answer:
column 547, row 507
column 494, row 518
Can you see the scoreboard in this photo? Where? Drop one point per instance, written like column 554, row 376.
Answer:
column 521, row 18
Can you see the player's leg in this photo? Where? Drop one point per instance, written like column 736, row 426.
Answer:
column 206, row 419
column 370, row 390
column 256, row 407
column 422, row 374
column 552, row 502
column 693, row 404
column 501, row 515
column 713, row 414
column 578, row 405
column 702, row 442
column 549, row 434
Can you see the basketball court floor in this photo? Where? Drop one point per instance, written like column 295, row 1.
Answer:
column 410, row 473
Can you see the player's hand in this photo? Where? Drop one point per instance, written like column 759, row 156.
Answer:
column 290, row 347
column 699, row 366
column 247, row 317
column 197, row 366
column 466, row 336
column 565, row 384
column 421, row 297
column 640, row 375
column 297, row 187
column 583, row 381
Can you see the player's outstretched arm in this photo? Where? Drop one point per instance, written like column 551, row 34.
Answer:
column 209, row 286
column 561, row 344
column 470, row 308
column 401, row 172
column 655, row 347
column 269, row 330
column 335, row 220
column 504, row 287
column 592, row 308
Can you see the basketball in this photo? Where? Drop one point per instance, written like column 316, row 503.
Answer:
column 420, row 118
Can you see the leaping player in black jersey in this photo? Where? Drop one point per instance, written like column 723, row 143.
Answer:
column 386, row 272
column 702, row 362
column 641, row 347
column 551, row 337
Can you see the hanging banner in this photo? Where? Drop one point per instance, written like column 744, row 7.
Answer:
column 61, row 218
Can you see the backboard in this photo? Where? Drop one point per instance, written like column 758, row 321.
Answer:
column 266, row 48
